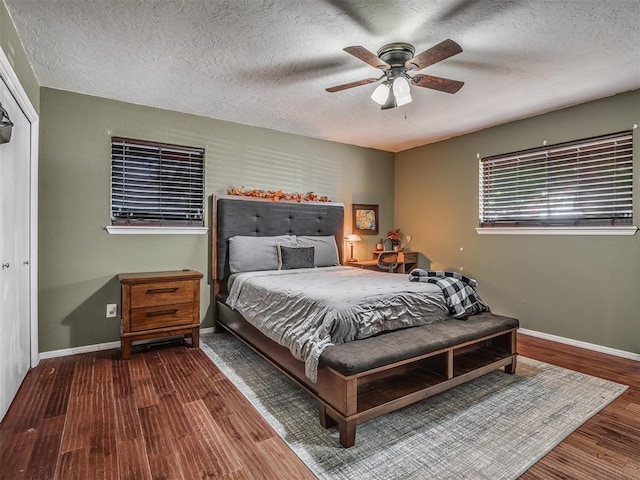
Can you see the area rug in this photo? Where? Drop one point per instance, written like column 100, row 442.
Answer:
column 494, row 427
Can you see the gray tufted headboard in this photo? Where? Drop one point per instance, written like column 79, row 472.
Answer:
column 234, row 215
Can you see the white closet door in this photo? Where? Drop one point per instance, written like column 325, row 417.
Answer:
column 14, row 253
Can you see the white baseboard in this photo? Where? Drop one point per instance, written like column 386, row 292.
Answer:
column 97, row 347
column 581, row 344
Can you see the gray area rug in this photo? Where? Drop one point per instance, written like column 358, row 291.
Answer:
column 494, row 427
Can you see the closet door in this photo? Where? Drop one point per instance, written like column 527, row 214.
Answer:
column 14, row 253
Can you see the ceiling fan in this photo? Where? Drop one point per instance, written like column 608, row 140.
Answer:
column 395, row 60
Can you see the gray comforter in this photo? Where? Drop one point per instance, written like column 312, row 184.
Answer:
column 308, row 309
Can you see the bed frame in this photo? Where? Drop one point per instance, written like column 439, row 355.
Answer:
column 348, row 397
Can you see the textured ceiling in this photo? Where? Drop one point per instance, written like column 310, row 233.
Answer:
column 267, row 63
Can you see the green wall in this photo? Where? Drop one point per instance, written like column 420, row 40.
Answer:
column 585, row 288
column 12, row 48
column 79, row 260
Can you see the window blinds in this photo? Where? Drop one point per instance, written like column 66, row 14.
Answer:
column 587, row 182
column 156, row 184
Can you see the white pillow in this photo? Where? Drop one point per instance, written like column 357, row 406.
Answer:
column 249, row 254
column 326, row 249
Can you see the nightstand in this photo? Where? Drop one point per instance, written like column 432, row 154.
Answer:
column 159, row 304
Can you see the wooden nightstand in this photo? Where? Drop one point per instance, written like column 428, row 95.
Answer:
column 159, row 304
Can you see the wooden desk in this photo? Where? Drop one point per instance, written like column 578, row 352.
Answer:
column 410, row 262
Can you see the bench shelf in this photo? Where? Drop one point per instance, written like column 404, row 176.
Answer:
column 374, row 393
column 351, row 399
column 432, row 374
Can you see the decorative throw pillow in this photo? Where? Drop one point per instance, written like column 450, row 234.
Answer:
column 290, row 258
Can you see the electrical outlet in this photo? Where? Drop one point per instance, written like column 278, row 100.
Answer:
column 112, row 310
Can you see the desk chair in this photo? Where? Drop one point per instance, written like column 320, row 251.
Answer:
column 388, row 261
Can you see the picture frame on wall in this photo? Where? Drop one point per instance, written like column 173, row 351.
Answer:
column 365, row 219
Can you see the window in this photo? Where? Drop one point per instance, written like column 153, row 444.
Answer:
column 155, row 184
column 587, row 183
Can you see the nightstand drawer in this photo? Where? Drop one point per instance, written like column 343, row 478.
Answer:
column 161, row 316
column 164, row 293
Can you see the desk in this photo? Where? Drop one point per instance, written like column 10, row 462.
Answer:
column 410, row 262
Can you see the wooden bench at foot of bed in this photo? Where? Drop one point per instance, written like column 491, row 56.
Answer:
column 361, row 380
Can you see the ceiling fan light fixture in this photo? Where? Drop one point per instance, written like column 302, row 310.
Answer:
column 402, row 91
column 401, row 87
column 395, row 60
column 391, row 101
column 403, row 100
column 381, row 93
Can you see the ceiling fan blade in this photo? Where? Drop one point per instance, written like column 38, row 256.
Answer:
column 367, row 57
column 445, row 49
column 436, row 83
column 337, row 88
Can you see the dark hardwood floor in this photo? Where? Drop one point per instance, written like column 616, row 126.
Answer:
column 170, row 413
column 608, row 445
column 167, row 414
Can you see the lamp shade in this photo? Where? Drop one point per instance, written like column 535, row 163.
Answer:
column 402, row 91
column 381, row 93
column 401, row 87
column 392, row 93
column 403, row 100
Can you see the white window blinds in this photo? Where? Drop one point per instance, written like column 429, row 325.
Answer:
column 156, row 184
column 588, row 182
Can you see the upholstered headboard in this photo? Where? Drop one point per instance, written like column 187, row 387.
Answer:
column 235, row 215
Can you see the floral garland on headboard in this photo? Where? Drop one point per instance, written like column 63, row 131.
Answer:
column 277, row 195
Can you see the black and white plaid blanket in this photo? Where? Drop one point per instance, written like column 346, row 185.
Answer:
column 459, row 293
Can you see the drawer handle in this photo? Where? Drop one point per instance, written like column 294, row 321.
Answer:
column 163, row 312
column 162, row 290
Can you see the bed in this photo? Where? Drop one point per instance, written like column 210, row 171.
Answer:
column 382, row 368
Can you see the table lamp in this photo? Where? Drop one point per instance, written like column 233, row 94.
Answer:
column 351, row 239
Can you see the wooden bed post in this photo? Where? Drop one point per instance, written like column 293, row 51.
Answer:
column 326, row 421
column 511, row 368
column 347, row 430
column 348, row 408
column 217, row 327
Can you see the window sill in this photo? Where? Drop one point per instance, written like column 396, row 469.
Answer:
column 631, row 230
column 130, row 230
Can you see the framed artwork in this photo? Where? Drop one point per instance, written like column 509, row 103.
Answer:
column 365, row 219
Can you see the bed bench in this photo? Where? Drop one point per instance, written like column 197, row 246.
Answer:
column 361, row 380
column 387, row 372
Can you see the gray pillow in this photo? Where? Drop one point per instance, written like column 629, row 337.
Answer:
column 250, row 254
column 326, row 249
column 290, row 258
